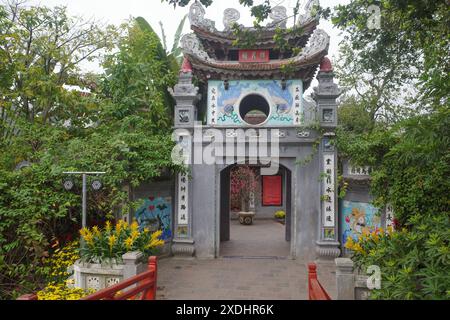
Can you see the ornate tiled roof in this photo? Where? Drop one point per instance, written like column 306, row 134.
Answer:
column 197, row 47
column 264, row 38
column 303, row 65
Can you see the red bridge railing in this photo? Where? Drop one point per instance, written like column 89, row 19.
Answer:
column 315, row 289
column 29, row 296
column 139, row 287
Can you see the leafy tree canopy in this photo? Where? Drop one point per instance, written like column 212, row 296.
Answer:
column 57, row 119
column 404, row 136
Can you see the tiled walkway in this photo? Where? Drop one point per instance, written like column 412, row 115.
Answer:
column 253, row 266
column 237, row 278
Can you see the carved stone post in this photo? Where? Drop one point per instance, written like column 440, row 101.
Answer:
column 133, row 264
column 345, row 279
column 325, row 96
column 186, row 96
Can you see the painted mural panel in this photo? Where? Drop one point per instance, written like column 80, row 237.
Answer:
column 286, row 107
column 358, row 218
column 156, row 214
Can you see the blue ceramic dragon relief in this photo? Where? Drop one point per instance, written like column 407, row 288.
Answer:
column 281, row 101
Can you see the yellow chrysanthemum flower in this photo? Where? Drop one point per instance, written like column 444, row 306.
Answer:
column 87, row 235
column 129, row 243
column 357, row 247
column 154, row 243
column 375, row 237
column 112, row 241
column 95, row 231
column 156, row 234
column 349, row 243
column 134, row 226
column 135, row 234
column 119, row 227
column 83, row 232
column 108, row 226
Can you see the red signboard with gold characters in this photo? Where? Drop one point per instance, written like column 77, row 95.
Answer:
column 253, row 56
column 272, row 191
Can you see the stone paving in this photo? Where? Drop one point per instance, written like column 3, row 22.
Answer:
column 238, row 279
column 263, row 238
column 253, row 266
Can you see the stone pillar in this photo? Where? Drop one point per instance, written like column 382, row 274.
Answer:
column 325, row 96
column 345, row 279
column 186, row 96
column 132, row 264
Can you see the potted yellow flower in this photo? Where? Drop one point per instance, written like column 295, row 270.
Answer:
column 113, row 253
column 280, row 216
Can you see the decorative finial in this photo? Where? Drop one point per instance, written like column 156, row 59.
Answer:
column 325, row 65
column 186, row 67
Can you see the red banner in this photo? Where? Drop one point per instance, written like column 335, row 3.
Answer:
column 254, row 55
column 272, row 191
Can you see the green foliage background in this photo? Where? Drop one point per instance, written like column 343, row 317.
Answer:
column 405, row 138
column 123, row 127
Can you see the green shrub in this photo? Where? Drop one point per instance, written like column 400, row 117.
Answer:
column 414, row 262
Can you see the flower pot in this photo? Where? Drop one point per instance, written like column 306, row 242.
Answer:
column 246, row 218
column 98, row 276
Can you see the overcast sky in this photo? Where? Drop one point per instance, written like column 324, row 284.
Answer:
column 118, row 11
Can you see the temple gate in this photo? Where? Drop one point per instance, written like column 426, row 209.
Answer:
column 244, row 94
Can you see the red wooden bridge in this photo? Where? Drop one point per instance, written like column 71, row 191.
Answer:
column 140, row 287
column 143, row 286
column 315, row 289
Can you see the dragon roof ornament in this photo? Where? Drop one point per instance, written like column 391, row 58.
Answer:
column 317, row 44
column 191, row 45
column 310, row 9
column 279, row 17
column 197, row 17
column 230, row 17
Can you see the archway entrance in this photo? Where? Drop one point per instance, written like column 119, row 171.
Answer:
column 266, row 236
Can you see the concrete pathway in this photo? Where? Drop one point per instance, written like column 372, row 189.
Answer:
column 253, row 265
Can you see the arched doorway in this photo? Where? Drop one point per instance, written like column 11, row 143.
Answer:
column 266, row 237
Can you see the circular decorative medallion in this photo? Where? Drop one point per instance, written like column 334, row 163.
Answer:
column 96, row 185
column 68, row 185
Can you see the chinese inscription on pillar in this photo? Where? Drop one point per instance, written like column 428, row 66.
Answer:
column 183, row 196
column 213, row 94
column 297, row 105
column 184, row 142
column 389, row 216
column 328, row 207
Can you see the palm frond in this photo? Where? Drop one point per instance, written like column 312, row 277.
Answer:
column 177, row 37
column 163, row 35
